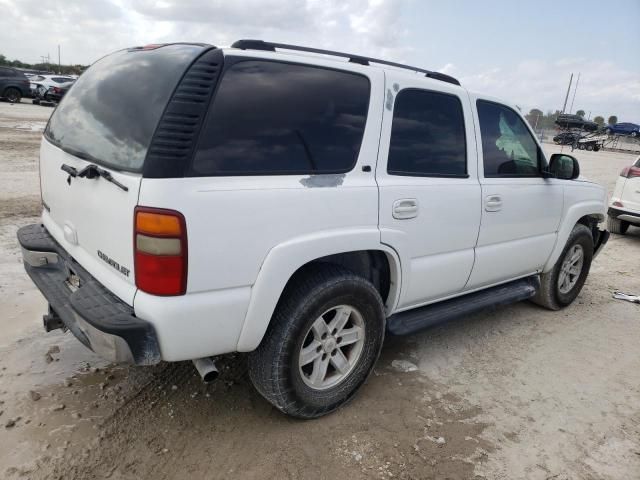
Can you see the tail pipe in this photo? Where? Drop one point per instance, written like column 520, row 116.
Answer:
column 206, row 368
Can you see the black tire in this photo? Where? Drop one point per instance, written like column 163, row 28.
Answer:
column 596, row 148
column 274, row 366
column 581, row 146
column 12, row 94
column 590, row 147
column 36, row 101
column 615, row 225
column 549, row 294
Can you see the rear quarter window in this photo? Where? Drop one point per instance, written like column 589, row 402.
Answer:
column 110, row 114
column 276, row 118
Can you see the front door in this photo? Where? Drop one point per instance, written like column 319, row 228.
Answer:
column 521, row 210
column 429, row 190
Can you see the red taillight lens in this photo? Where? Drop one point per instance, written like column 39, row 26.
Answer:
column 160, row 243
column 56, row 89
column 632, row 172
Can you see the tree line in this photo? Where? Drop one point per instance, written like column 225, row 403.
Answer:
column 540, row 120
column 47, row 67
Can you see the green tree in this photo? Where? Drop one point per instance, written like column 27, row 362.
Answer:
column 580, row 113
column 613, row 119
column 599, row 120
column 534, row 116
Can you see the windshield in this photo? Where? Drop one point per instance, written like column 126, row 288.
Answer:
column 111, row 113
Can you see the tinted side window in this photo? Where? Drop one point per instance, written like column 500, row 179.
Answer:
column 508, row 148
column 427, row 135
column 270, row 118
column 6, row 72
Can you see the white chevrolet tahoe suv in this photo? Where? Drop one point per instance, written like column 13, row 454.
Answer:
column 297, row 204
column 624, row 207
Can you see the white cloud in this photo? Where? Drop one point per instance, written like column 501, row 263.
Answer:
column 89, row 29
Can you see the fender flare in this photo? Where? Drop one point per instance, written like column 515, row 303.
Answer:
column 285, row 259
column 591, row 208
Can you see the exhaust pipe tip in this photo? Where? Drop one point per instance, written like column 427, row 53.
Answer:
column 207, row 369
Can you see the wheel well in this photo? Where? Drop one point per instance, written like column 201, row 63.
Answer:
column 370, row 264
column 591, row 222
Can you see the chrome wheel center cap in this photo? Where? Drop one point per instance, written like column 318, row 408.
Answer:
column 329, row 345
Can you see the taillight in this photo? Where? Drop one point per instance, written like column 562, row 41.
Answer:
column 57, row 89
column 630, row 172
column 160, row 244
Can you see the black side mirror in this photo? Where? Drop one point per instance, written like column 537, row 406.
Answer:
column 564, row 167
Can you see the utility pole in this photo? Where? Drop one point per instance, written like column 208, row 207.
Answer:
column 574, row 93
column 59, row 67
column 567, row 95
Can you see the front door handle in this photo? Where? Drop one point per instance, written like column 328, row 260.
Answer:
column 405, row 208
column 493, row 203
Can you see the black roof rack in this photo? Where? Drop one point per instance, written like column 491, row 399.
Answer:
column 271, row 47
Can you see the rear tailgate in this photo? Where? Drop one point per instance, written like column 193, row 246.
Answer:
column 105, row 124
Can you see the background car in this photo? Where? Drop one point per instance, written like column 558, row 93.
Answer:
column 624, row 128
column 41, row 83
column 568, row 120
column 13, row 84
column 624, row 207
column 566, row 138
column 55, row 93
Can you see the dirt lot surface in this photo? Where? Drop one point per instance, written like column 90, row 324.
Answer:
column 518, row 393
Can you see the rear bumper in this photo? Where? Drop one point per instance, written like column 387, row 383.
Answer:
column 99, row 319
column 631, row 217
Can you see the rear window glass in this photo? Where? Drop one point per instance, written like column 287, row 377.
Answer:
column 271, row 118
column 110, row 114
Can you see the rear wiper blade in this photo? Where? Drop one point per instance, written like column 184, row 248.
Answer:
column 93, row 171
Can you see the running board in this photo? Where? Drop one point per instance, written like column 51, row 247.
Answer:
column 411, row 321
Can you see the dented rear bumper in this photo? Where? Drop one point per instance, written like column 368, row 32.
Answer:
column 99, row 319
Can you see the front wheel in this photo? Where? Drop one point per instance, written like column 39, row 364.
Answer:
column 561, row 285
column 634, row 134
column 323, row 341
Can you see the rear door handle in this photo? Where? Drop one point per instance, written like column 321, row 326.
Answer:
column 405, row 208
column 493, row 203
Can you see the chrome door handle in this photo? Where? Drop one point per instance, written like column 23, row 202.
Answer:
column 405, row 208
column 493, row 203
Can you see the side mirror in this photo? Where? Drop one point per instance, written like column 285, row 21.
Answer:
column 564, row 167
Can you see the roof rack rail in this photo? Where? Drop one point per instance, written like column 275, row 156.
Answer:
column 247, row 44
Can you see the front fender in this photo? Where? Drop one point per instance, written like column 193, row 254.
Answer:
column 593, row 208
column 285, row 259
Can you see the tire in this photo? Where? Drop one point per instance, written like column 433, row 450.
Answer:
column 615, row 225
column 581, row 146
column 590, row 148
column 12, row 94
column 275, row 366
column 634, row 134
column 551, row 294
column 596, row 148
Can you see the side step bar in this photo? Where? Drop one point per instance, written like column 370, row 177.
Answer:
column 411, row 321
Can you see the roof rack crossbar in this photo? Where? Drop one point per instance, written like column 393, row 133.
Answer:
column 271, row 47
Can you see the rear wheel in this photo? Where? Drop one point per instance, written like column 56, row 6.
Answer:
column 561, row 285
column 323, row 341
column 581, row 146
column 590, row 147
column 12, row 94
column 615, row 225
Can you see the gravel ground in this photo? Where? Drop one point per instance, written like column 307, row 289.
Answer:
column 517, row 393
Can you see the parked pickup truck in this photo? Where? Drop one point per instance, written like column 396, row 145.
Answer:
column 199, row 201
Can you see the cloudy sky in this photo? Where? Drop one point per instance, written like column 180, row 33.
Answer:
column 520, row 50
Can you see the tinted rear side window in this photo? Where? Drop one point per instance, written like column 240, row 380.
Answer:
column 272, row 118
column 427, row 135
column 111, row 112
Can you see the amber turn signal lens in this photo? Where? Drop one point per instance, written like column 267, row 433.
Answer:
column 158, row 224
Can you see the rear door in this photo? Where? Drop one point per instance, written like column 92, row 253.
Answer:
column 429, row 191
column 106, row 120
